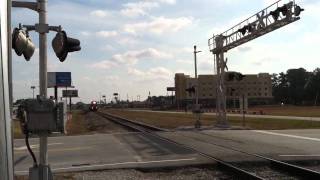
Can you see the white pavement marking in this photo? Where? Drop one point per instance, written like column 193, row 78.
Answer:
column 114, row 164
column 299, row 155
column 33, row 146
column 287, row 135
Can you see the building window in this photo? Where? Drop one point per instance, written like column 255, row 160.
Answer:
column 265, row 94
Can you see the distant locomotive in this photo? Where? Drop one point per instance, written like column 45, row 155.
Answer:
column 93, row 106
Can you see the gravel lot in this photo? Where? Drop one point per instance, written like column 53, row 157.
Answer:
column 190, row 173
column 187, row 173
column 97, row 124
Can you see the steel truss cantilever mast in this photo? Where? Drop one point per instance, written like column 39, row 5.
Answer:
column 275, row 16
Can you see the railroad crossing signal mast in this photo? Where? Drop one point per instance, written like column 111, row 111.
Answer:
column 275, row 16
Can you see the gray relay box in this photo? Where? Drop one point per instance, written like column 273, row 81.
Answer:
column 43, row 115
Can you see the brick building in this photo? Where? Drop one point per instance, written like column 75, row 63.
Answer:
column 256, row 87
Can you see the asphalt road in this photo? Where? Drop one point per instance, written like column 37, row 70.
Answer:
column 106, row 151
column 248, row 115
column 132, row 150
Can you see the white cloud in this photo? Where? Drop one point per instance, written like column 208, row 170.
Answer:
column 159, row 25
column 132, row 57
column 85, row 33
column 184, row 61
column 141, row 8
column 125, row 41
column 157, row 73
column 207, row 65
column 107, row 47
column 99, row 13
column 160, row 73
column 138, row 8
column 112, row 78
column 244, row 48
column 104, row 65
column 106, row 34
column 135, row 72
column 168, row 1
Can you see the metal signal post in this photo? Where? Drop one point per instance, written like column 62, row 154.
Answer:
column 197, row 108
column 275, row 16
column 221, row 89
column 22, row 44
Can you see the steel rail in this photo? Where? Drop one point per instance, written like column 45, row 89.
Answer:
column 149, row 130
column 292, row 169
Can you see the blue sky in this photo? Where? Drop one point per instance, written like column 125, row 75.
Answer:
column 133, row 47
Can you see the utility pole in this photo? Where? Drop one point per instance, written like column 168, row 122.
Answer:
column 197, row 108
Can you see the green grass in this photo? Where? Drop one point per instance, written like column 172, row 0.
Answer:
column 174, row 120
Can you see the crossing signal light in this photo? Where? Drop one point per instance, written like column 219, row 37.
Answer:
column 251, row 28
column 62, row 45
column 191, row 90
column 248, row 28
column 284, row 10
column 22, row 44
column 231, row 76
column 234, row 76
column 275, row 14
column 239, row 76
column 298, row 10
column 243, row 30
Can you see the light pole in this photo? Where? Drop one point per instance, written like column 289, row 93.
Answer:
column 197, row 106
column 104, row 98
column 33, row 87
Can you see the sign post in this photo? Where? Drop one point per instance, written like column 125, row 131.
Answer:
column 59, row 79
column 70, row 94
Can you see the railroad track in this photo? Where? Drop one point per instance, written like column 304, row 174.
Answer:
column 279, row 167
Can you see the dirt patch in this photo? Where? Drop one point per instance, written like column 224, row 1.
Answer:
column 98, row 124
column 77, row 125
column 85, row 122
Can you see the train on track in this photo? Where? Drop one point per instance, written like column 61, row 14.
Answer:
column 93, row 106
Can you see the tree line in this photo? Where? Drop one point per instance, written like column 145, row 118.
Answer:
column 297, row 87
